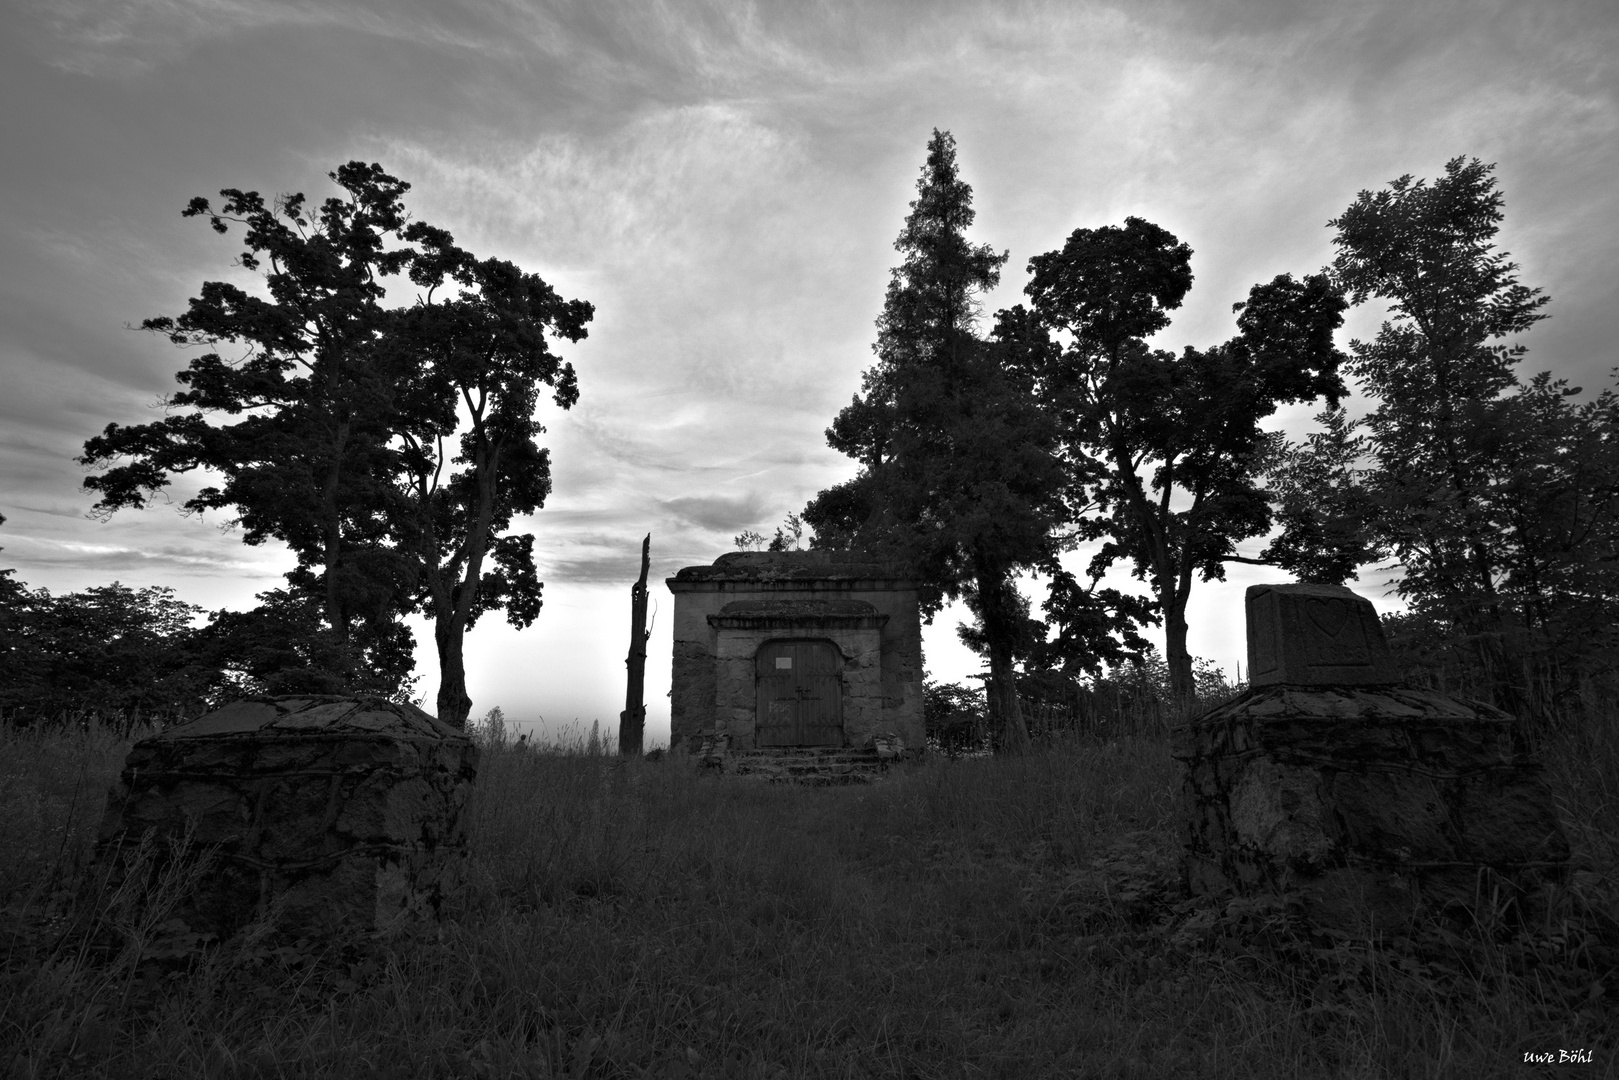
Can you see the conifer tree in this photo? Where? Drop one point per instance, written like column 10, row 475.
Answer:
column 958, row 473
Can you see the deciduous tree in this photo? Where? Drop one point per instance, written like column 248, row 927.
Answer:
column 306, row 459
column 389, row 448
column 1168, row 447
column 470, row 367
column 1496, row 499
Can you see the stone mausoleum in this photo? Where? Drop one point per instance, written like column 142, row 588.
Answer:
column 796, row 649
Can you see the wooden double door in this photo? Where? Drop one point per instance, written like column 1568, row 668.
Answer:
column 800, row 694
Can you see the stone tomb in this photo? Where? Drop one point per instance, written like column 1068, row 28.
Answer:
column 796, row 649
column 1368, row 800
column 333, row 813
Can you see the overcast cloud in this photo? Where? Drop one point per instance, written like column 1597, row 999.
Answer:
column 724, row 182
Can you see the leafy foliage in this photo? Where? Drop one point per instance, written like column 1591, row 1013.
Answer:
column 340, row 409
column 108, row 650
column 481, row 354
column 1497, row 499
column 1167, row 449
column 306, row 460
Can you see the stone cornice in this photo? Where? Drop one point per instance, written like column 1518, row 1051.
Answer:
column 765, row 620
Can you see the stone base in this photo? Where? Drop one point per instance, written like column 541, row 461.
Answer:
column 812, row 766
column 328, row 814
column 1371, row 804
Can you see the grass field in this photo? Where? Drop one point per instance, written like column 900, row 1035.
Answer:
column 1007, row 917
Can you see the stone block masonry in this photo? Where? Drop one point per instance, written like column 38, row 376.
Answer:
column 856, row 610
column 1370, row 801
column 333, row 814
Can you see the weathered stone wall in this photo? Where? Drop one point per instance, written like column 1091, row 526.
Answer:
column 701, row 707
column 339, row 813
column 1369, row 801
column 902, row 664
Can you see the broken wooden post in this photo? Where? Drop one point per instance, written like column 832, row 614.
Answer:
column 632, row 721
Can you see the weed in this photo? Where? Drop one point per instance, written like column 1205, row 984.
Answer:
column 985, row 917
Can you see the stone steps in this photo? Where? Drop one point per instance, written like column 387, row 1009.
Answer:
column 813, row 766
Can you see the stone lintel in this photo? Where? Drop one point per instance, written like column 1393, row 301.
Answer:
column 757, row 614
column 1315, row 635
column 768, row 621
column 791, row 585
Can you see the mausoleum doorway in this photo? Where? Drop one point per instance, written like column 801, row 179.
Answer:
column 799, row 698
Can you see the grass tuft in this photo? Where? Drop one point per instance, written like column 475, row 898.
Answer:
column 1009, row 917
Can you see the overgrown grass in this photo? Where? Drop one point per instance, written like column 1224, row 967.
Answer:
column 1000, row 917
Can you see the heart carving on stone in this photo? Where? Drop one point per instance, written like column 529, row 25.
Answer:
column 1328, row 616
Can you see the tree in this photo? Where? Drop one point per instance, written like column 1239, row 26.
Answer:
column 481, row 355
column 792, row 538
column 307, row 459
column 110, row 649
column 282, row 646
column 1168, row 448
column 1496, row 499
column 1321, row 503
column 958, row 477
column 346, row 408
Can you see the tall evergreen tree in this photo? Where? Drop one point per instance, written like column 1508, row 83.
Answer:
column 959, row 476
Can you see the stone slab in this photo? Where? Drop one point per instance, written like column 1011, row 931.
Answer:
column 1315, row 635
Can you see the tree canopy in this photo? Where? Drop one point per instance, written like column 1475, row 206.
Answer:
column 1495, row 498
column 328, row 427
column 1167, row 448
column 481, row 354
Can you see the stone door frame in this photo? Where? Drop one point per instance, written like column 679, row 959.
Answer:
column 857, row 640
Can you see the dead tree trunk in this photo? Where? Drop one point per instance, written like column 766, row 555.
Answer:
column 632, row 721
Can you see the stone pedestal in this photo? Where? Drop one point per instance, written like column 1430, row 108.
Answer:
column 1370, row 801
column 336, row 814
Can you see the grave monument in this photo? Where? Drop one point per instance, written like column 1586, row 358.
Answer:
column 796, row 649
column 329, row 814
column 1370, row 801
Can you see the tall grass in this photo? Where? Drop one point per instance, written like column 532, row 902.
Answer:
column 983, row 917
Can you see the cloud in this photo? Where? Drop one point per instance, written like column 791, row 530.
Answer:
column 724, row 179
column 718, row 512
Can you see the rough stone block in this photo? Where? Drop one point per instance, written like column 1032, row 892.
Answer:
column 1315, row 635
column 330, row 813
column 1370, row 801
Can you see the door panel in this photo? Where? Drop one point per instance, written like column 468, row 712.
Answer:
column 800, row 694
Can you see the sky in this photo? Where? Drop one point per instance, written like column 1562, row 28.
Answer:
column 724, row 182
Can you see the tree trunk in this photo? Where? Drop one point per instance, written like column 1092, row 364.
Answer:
column 450, row 621
column 996, row 610
column 632, row 721
column 1182, row 686
column 453, row 702
column 332, row 539
column 1005, row 711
